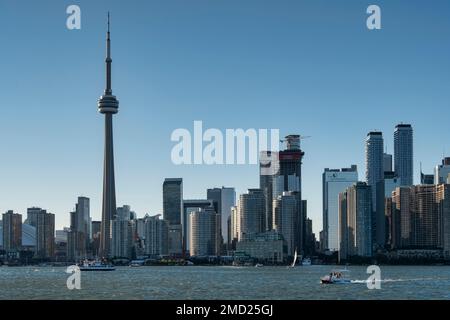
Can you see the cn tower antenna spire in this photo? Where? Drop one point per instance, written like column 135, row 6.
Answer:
column 108, row 60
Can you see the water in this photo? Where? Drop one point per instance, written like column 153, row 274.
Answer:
column 399, row 282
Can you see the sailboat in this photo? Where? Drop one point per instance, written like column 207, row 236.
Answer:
column 295, row 260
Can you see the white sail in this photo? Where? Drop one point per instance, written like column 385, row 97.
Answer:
column 295, row 259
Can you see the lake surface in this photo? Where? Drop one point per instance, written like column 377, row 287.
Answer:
column 229, row 283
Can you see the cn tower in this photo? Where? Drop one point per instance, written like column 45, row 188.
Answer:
column 108, row 105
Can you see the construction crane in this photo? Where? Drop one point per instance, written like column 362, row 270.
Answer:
column 293, row 141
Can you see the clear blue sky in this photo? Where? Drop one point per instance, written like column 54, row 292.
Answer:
column 308, row 67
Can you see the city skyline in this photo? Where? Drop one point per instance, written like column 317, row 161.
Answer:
column 70, row 165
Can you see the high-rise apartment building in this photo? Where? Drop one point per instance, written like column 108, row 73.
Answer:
column 224, row 199
column 284, row 217
column 252, row 212
column 12, row 231
column 269, row 168
column 44, row 223
column 173, row 200
column 204, row 233
column 403, row 153
column 334, row 181
column 356, row 233
column 156, row 236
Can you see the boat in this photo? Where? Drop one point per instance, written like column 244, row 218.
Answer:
column 336, row 277
column 306, row 262
column 295, row 260
column 259, row 265
column 95, row 265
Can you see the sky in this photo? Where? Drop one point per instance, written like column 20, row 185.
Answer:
column 307, row 66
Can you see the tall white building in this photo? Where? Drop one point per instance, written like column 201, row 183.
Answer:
column 334, row 181
column 204, row 233
column 156, row 236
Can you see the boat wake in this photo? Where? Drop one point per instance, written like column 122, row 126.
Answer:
column 392, row 280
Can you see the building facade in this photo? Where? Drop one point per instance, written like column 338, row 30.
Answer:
column 403, row 153
column 205, row 233
column 44, row 222
column 12, row 231
column 334, row 181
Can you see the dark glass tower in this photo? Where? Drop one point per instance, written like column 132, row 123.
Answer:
column 108, row 105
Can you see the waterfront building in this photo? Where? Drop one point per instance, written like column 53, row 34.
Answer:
column 122, row 239
column 252, row 211
column 223, row 199
column 356, row 214
column 156, row 233
column 420, row 216
column 385, row 188
column 190, row 206
column 284, row 216
column 334, row 181
column 267, row 246
column 44, row 222
column 204, row 233
column 12, row 231
column 78, row 238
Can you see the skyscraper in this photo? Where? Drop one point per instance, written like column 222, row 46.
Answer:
column 204, row 233
column 173, row 200
column 251, row 211
column 190, row 206
column 223, row 199
column 374, row 162
column 403, row 153
column 108, row 105
column 80, row 230
column 375, row 174
column 334, row 181
column 268, row 169
column 12, row 231
column 385, row 188
column 284, row 216
column 44, row 223
column 156, row 236
column 355, row 224
column 290, row 179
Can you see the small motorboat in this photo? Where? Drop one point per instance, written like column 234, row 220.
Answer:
column 259, row 265
column 336, row 277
